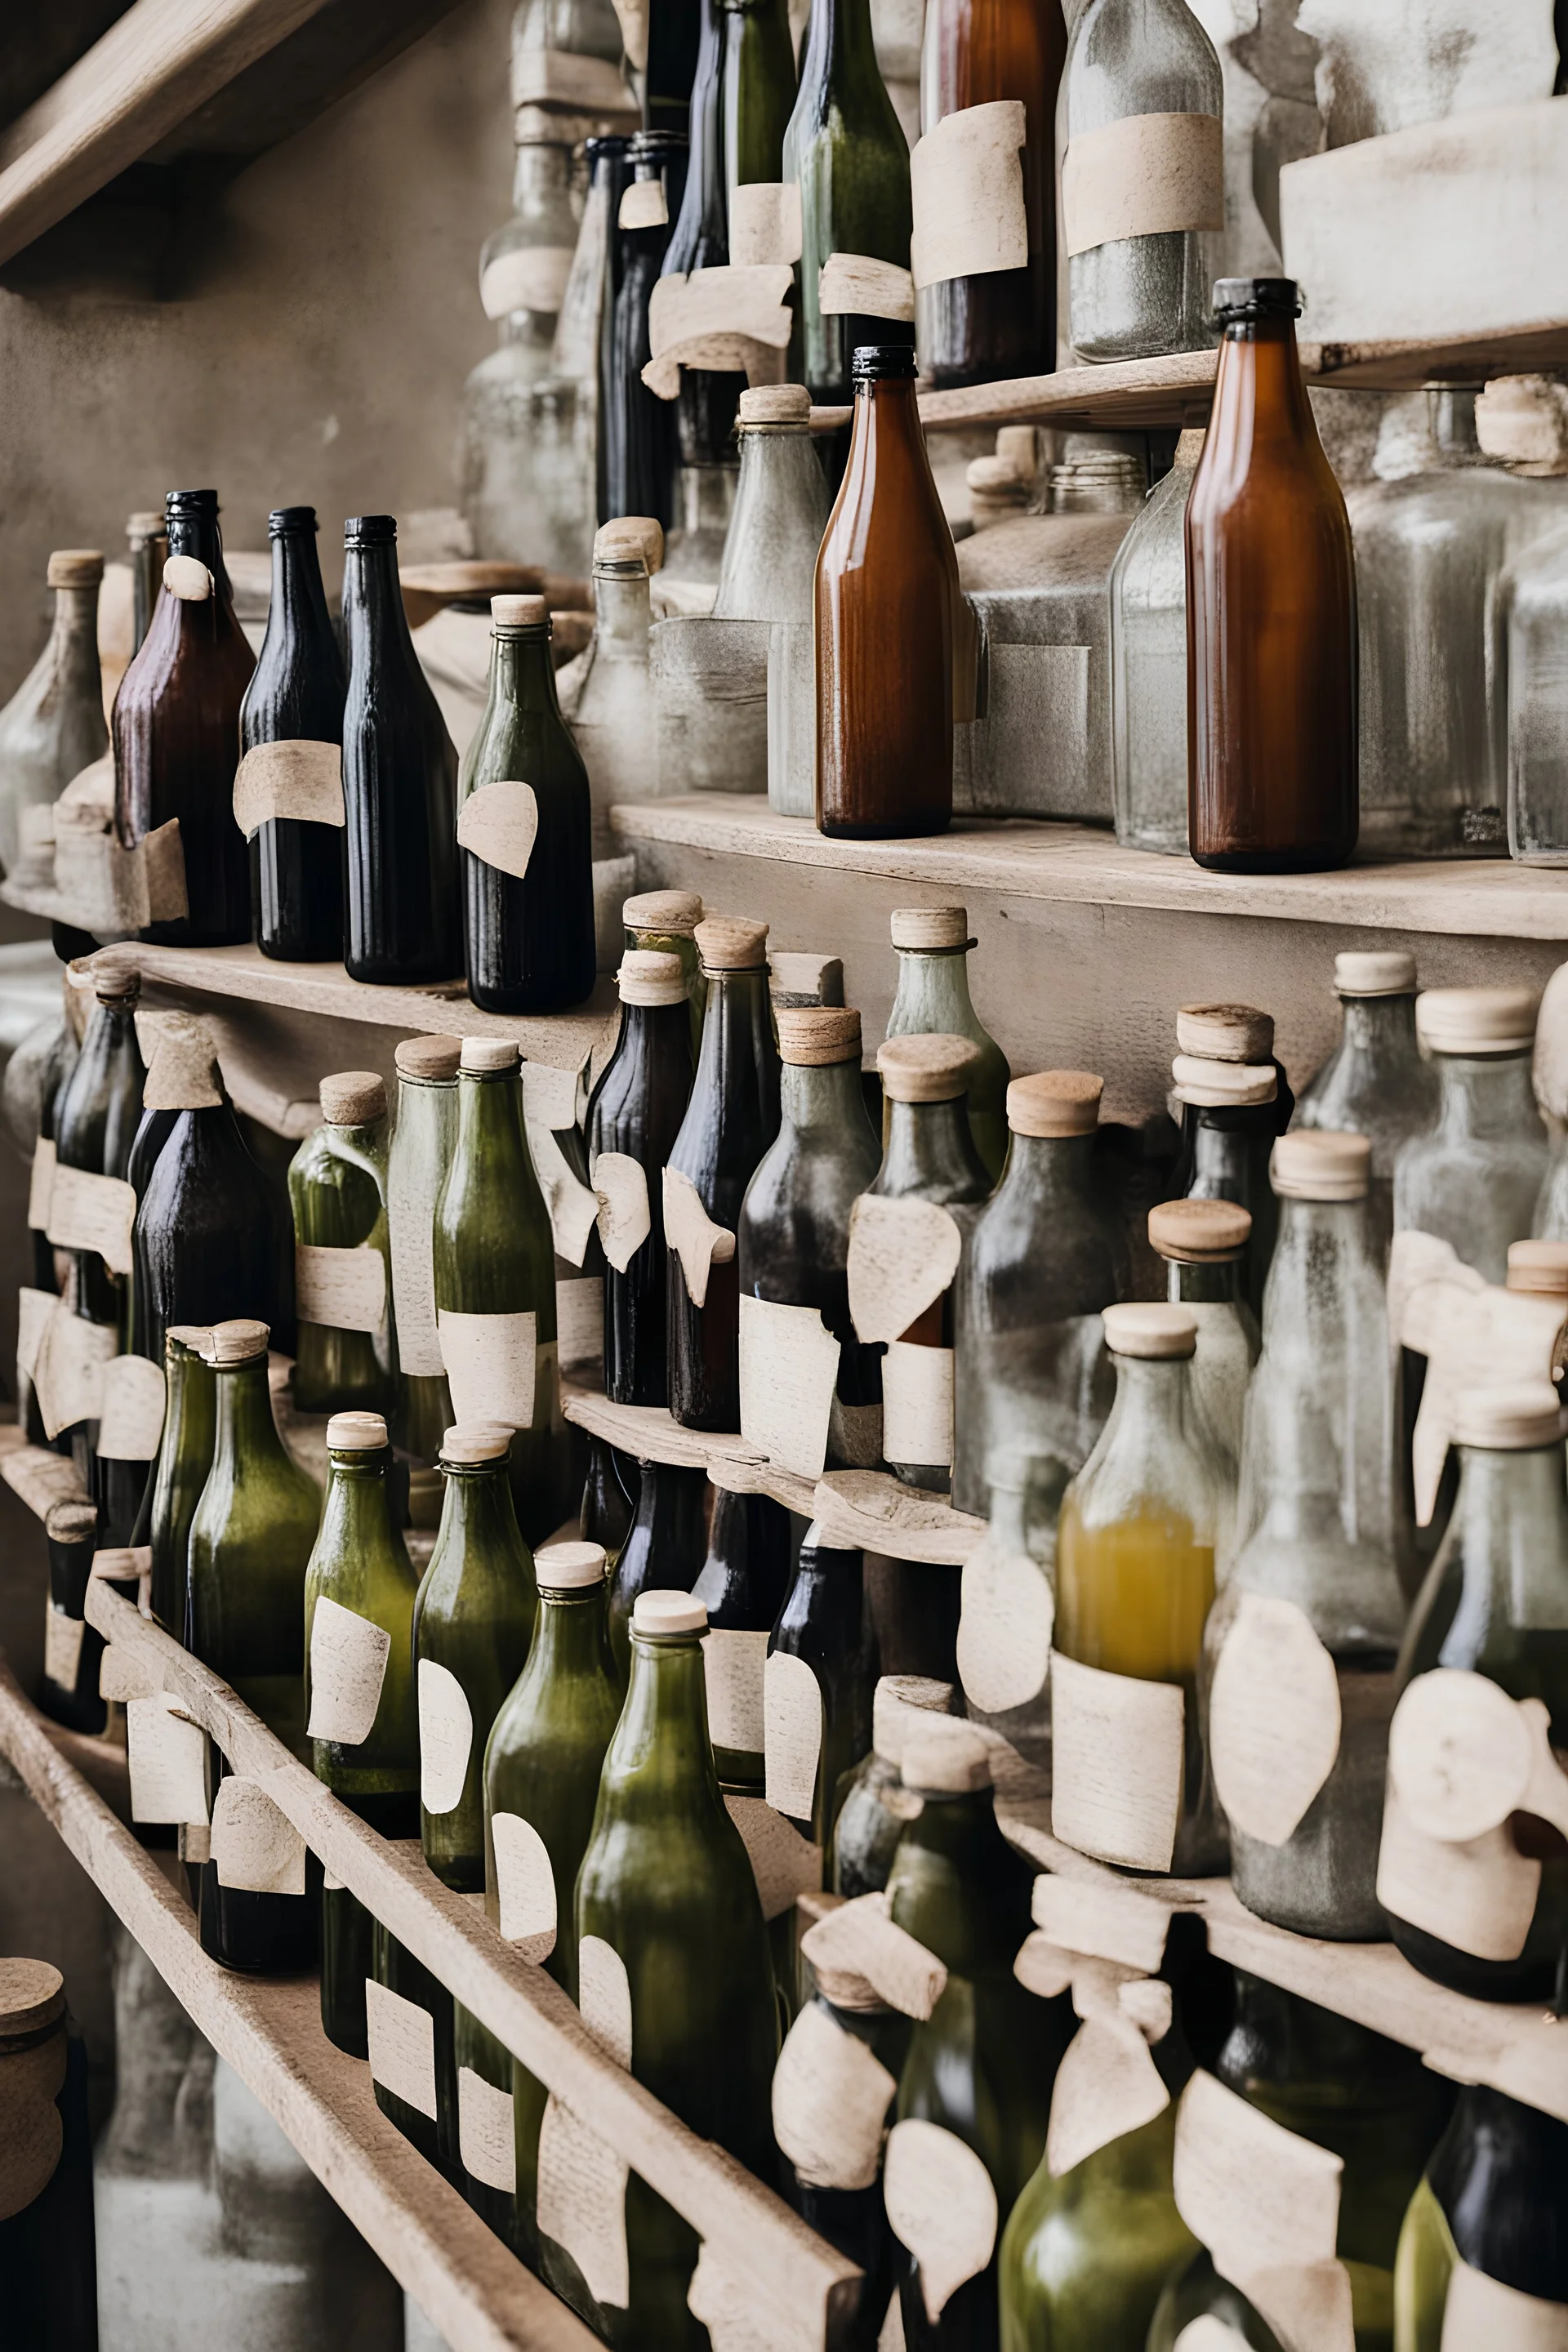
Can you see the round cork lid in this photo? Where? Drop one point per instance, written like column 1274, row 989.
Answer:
column 520, row 612
column 356, row 1432
column 1220, row 1085
column 930, row 926
column 1141, row 1328
column 731, row 943
column 1318, row 1163
column 1055, row 1102
column 1374, row 972
column 32, row 1996
column 945, row 1757
column 657, row 1613
column 1539, row 1266
column 630, row 538
column 353, row 1097
column 570, row 1567
column 238, row 1342
column 430, row 1058
column 75, row 567
column 488, row 1054
column 933, row 1068
column 814, row 1036
column 650, row 976
column 1508, row 1419
column 776, row 403
column 678, row 912
column 1225, row 1032
column 195, row 1338
column 1199, row 1232
column 1477, row 1020
column 477, row 1441
column 71, row 1522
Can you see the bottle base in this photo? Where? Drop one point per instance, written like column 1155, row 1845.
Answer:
column 917, row 829
column 1318, row 857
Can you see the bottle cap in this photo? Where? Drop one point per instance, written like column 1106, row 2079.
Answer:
column 1225, row 1032
column 238, row 1342
column 428, row 1058
column 928, row 1068
column 193, row 1337
column 650, row 976
column 1141, row 1328
column 1216, row 1086
column 570, row 1566
column 283, row 520
column 356, row 1432
column 520, row 612
column 731, row 943
column 677, row 912
column 32, row 1997
column 1539, row 1266
column 930, row 926
column 873, row 362
column 890, row 1721
column 776, row 403
column 1255, row 297
column 1509, row 1418
column 1199, row 1232
column 1477, row 1020
column 1055, row 1102
column 477, row 1441
column 945, row 1757
column 71, row 1522
column 668, row 1612
column 1316, row 1163
column 814, row 1036
column 353, row 1097
column 1374, row 972
column 75, row 567
column 492, row 1054
column 630, row 538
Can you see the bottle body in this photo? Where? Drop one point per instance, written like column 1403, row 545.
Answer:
column 1375, row 1082
column 664, row 1551
column 638, row 429
column 609, row 704
column 296, row 697
column 53, row 726
column 96, row 1119
column 422, row 1142
column 1532, row 597
column 1149, row 665
column 824, row 1626
column 206, row 1232
column 929, row 1155
column 1474, row 1177
column 1482, row 2251
column 742, row 1585
column 337, row 1191
column 634, row 1118
column 933, row 997
column 185, row 1459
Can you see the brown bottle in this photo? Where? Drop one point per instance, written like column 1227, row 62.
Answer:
column 1003, row 321
column 176, row 731
column 1271, row 613
column 888, row 603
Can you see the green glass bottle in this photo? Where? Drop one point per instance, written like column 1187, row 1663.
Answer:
column 759, row 92
column 671, row 1937
column 742, row 1585
column 251, row 1539
column 346, row 1359
column 604, row 1515
column 820, row 1675
column 1200, row 2292
column 1483, row 2255
column 664, row 922
column 185, row 1457
column 873, row 1803
column 495, row 1284
column 933, row 997
column 664, row 1551
column 422, row 1141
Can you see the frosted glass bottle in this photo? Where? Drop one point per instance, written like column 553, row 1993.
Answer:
column 1149, row 665
column 1375, row 1082
column 54, row 726
column 933, row 997
column 1474, row 1177
column 1532, row 607
column 609, row 706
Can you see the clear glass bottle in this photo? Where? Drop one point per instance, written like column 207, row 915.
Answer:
column 932, row 995
column 1204, row 1245
column 96, row 1116
column 610, row 709
column 1131, row 297
column 52, row 726
column 1149, row 665
column 873, row 1804
column 665, row 1548
column 1532, row 600
column 296, row 695
column 825, row 1625
column 423, row 1139
column 742, row 1586
column 1135, row 1582
column 1236, row 1100
column 1320, row 1529
column 634, row 1118
column 1482, row 2257
column 337, row 1190
column 1376, row 1082
column 180, row 1472
column 780, row 511
column 1474, row 1177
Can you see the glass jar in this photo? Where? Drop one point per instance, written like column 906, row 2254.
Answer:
column 1376, row 1082
column 932, row 996
column 1474, row 1178
column 1234, row 1101
column 1149, row 665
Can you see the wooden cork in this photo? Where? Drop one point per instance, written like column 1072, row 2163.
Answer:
column 1218, row 1085
column 1225, row 1032
column 32, row 1997
column 356, row 1432
column 1508, row 1420
column 1316, row 1163
column 776, row 403
column 1477, row 1020
column 630, row 538
column 935, row 1068
column 520, row 612
column 353, row 1097
column 1141, row 1328
column 236, row 1341
column 1199, row 1232
column 75, row 567
column 1539, row 1266
column 477, row 1441
column 814, row 1036
column 650, row 976
column 492, row 1054
column 930, row 926
column 1055, row 1102
column 675, row 912
column 430, row 1058
column 945, row 1758
column 731, row 943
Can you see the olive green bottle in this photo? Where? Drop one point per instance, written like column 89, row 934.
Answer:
column 933, row 997
column 666, row 922
column 185, row 1457
column 251, row 1539
column 346, row 1359
column 667, row 1895
column 422, row 1141
column 495, row 1284
column 1483, row 2255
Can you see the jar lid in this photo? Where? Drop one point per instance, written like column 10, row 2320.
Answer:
column 1374, row 972
column 668, row 1612
column 776, row 403
column 1225, row 1032
column 731, row 943
column 570, row 1566
column 651, row 976
column 930, row 926
column 893, row 1696
column 1317, row 1163
column 1220, row 1085
column 356, row 1432
column 814, row 1036
column 477, row 1441
column 1140, row 1328
column 71, row 1521
column 1055, row 1102
column 1477, row 1020
column 1539, row 1266
column 32, row 1996
column 75, row 567
column 1509, row 1418
column 630, row 538
column 237, row 1342
column 520, row 612
column 1199, row 1232
column 663, row 910
column 428, row 1058
column 933, row 1067
column 488, row 1054
column 353, row 1097
column 945, row 1758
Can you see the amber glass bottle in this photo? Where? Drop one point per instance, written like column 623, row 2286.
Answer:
column 886, row 606
column 1272, row 610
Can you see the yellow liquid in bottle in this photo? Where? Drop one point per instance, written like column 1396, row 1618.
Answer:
column 1131, row 1598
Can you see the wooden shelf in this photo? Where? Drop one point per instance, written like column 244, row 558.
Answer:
column 36, row 1474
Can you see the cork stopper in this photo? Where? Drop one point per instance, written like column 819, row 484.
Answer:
column 1374, row 972
column 488, row 1054
column 1155, row 1333
column 657, row 1613
column 520, row 612
column 630, row 538
column 32, row 1997
column 935, row 1068
column 1054, row 1103
column 675, row 912
column 570, row 1567
column 1509, row 1418
column 71, row 1521
column 114, row 981
column 776, row 403
column 356, row 1432
column 238, row 1342
column 945, row 1757
column 1225, row 1032
column 893, row 1695
column 1216, row 1086
column 650, row 976
column 1539, row 1266
column 1199, row 1232
column 477, row 1441
column 353, row 1097
column 1477, row 1020
column 731, row 943
column 814, row 1036
column 430, row 1058
column 192, row 1337
column 1316, row 1163
column 930, row 926
column 75, row 567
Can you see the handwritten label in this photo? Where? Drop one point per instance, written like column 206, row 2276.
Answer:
column 34, row 1310
column 499, row 823
column 93, row 1212
column 1106, row 1923
column 917, row 1404
column 343, row 1289
column 1116, row 1764
column 252, row 1845
column 1274, row 1719
column 582, row 2203
column 402, row 2047
column 625, row 1220
column 348, row 1667
column 733, row 1667
column 298, row 781
column 859, row 1937
column 187, row 578
column 967, row 181
column 492, row 1365
column 486, row 2140
column 525, row 1886
column 168, row 1756
column 789, row 1367
column 942, row 2206
column 1106, row 2086
column 446, row 1737
column 830, row 2103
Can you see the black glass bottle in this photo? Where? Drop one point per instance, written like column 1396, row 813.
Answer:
column 634, row 1118
column 664, row 1548
column 1488, row 2226
column 49, row 2256
column 673, row 35
column 639, row 428
column 72, row 1649
column 58, row 1062
column 742, row 1585
column 97, row 1117
column 609, row 160
column 825, row 1625
column 708, row 400
column 204, row 1243
column 296, row 697
column 605, row 1513
column 1230, row 1117
column 180, row 1472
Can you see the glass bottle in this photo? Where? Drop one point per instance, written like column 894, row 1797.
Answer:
column 664, row 922
column 742, row 1585
column 1135, row 1582
column 873, row 1804
column 845, row 148
column 207, row 1236
column 52, row 726
column 611, row 163
column 403, row 904
column 731, row 1119
column 1494, row 1603
column 1271, row 712
column 665, row 1548
column 611, row 714
column 296, row 697
column 1236, row 1100
column 1530, row 599
column 1149, row 665
column 928, row 1154
column 1001, row 322
column 634, row 1118
column 699, row 239
column 1204, row 1246
column 423, row 1139
column 96, row 1116
column 1137, row 297
column 1474, row 1177
column 73, row 1652
column 53, row 1056
column 673, row 35
column 1319, row 1531
column 252, row 1537
column 640, row 435
column 933, row 997
column 825, row 1625
column 758, row 90
column 1200, row 2292
column 666, row 1887
column 781, row 512
column 887, row 609
column 147, row 532
column 522, row 792
column 495, row 1284
column 1376, row 1082
column 337, row 1190
column 177, row 732
column 793, row 1238
column 1483, row 2255
column 180, row 1472
column 981, row 2067
column 605, row 1516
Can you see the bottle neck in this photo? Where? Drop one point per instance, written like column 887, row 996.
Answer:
column 934, row 983
column 1259, row 397
column 569, row 1633
column 248, row 1437
column 522, row 672
column 374, row 621
column 489, row 1114
column 622, row 613
column 299, row 599
column 885, row 434
column 838, row 45
column 1380, row 1026
column 929, row 1146
column 664, row 1722
column 1452, row 417
column 541, row 174
column 1486, row 1097
column 1215, row 1284
column 828, row 1096
column 737, row 1001
column 1153, row 1406
column 74, row 635
column 477, row 1509
column 1047, row 1166
column 197, row 534
column 1511, row 1515
column 699, row 238
column 356, row 1517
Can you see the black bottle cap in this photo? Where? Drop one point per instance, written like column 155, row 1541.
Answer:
column 1255, row 297
column 610, row 144
column 190, row 502
column 873, row 362
column 284, row 519
column 370, row 530
column 657, row 146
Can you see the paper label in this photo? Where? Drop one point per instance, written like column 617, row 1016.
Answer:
column 765, row 222
column 1476, row 1894
column 528, row 278
column 560, row 78
column 580, row 1321
column 187, row 578
column 499, row 823
column 410, row 1211
column 1464, row 1756
column 1116, row 1747
column 492, row 1365
column 582, row 2203
column 625, row 1220
column 525, row 1886
column 402, row 2046
column 132, row 1410
column 860, row 1938
column 792, row 1708
column 345, row 1289
column 1208, row 2333
column 252, row 1845
column 446, row 1737
column 1482, row 2315
column 692, row 1234
column 1144, row 176
column 486, row 2135
column 1107, row 1923
column 574, row 1209
column 1007, row 1614
column 967, row 179
column 724, row 301
column 643, row 206
column 830, row 2102
column 789, row 1367
column 604, row 1997
column 1274, row 1717
column 62, row 1647
column 942, row 2206
column 1266, row 2203
column 1106, row 2086
column 853, row 283
column 168, row 1756
column 93, row 1212
column 41, row 1183
column 916, row 1403
column 33, row 1310
column 180, row 1053
column 733, row 1667
column 903, row 1255
column 298, row 780
column 783, row 1864
column 348, row 1666
column 67, row 1375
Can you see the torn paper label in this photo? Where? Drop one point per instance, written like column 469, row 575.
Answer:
column 783, row 1864
column 941, row 2205
column 830, row 2103
column 446, row 1737
column 903, row 1255
column 967, row 181
column 348, row 1666
column 1007, row 1615
column 486, row 2140
column 1106, row 2086
column 402, row 2047
column 854, row 284
column 1117, row 1764
column 765, row 223
column 168, row 1756
column 34, row 1310
column 582, row 2203
column 528, row 277
column 1478, row 1894
column 93, row 1212
column 298, row 781
column 1274, row 1717
column 492, row 1365
column 499, row 823
column 859, row 1938
column 733, row 1665
column 62, row 1647
column 625, row 1220
column 1106, row 1923
column 181, row 1055
column 252, row 1845
column 792, row 1703
column 525, row 1886
column 1146, row 176
column 130, row 1421
column 1482, row 2315
column 574, row 1209
column 110, row 888
column 691, row 1234
column 40, row 1184
column 729, row 301
column 789, row 1367
column 67, row 1375
column 345, row 1289
column 917, row 1404
column 580, row 1323
column 1261, row 2199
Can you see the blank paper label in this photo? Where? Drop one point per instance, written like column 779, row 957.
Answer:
column 792, row 1699
column 34, row 1311
column 1143, row 176
column 525, row 1886
column 733, row 1665
column 582, row 2203
column 93, row 1212
column 691, row 1234
column 860, row 1936
column 966, row 178
column 41, row 1184
column 168, row 1762
column 1482, row 2315
column 1008, row 1616
column 252, row 1845
column 783, row 1864
column 1106, row 2086
column 580, row 1321
column 499, row 823
column 916, row 1403
column 62, row 1647
column 486, row 2138
column 402, row 2047
column 1476, row 1894
column 942, row 2206
column 830, row 2103
column 67, row 1375
column 765, row 222
column 604, row 1997
column 298, row 780
column 187, row 578
column 446, row 1737
column 643, row 206
column 528, row 278
column 1274, row 1717
column 491, row 1362
column 620, row 1186
column 855, row 283
column 1116, row 1764
column 348, row 1666
column 131, row 1420
column 345, row 1289
column 789, row 1367
column 902, row 1257
column 1266, row 2203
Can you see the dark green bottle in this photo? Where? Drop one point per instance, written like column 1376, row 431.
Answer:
column 605, row 1512
column 664, row 1551
column 416, row 1158
column 667, row 1896
column 873, row 1803
column 815, row 1738
column 758, row 90
column 473, row 1620
column 337, row 1188
column 185, row 1457
column 1487, row 2227
column 73, row 1652
column 664, row 922
column 634, row 1118
column 742, row 1586
column 96, row 1119
column 251, row 1539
